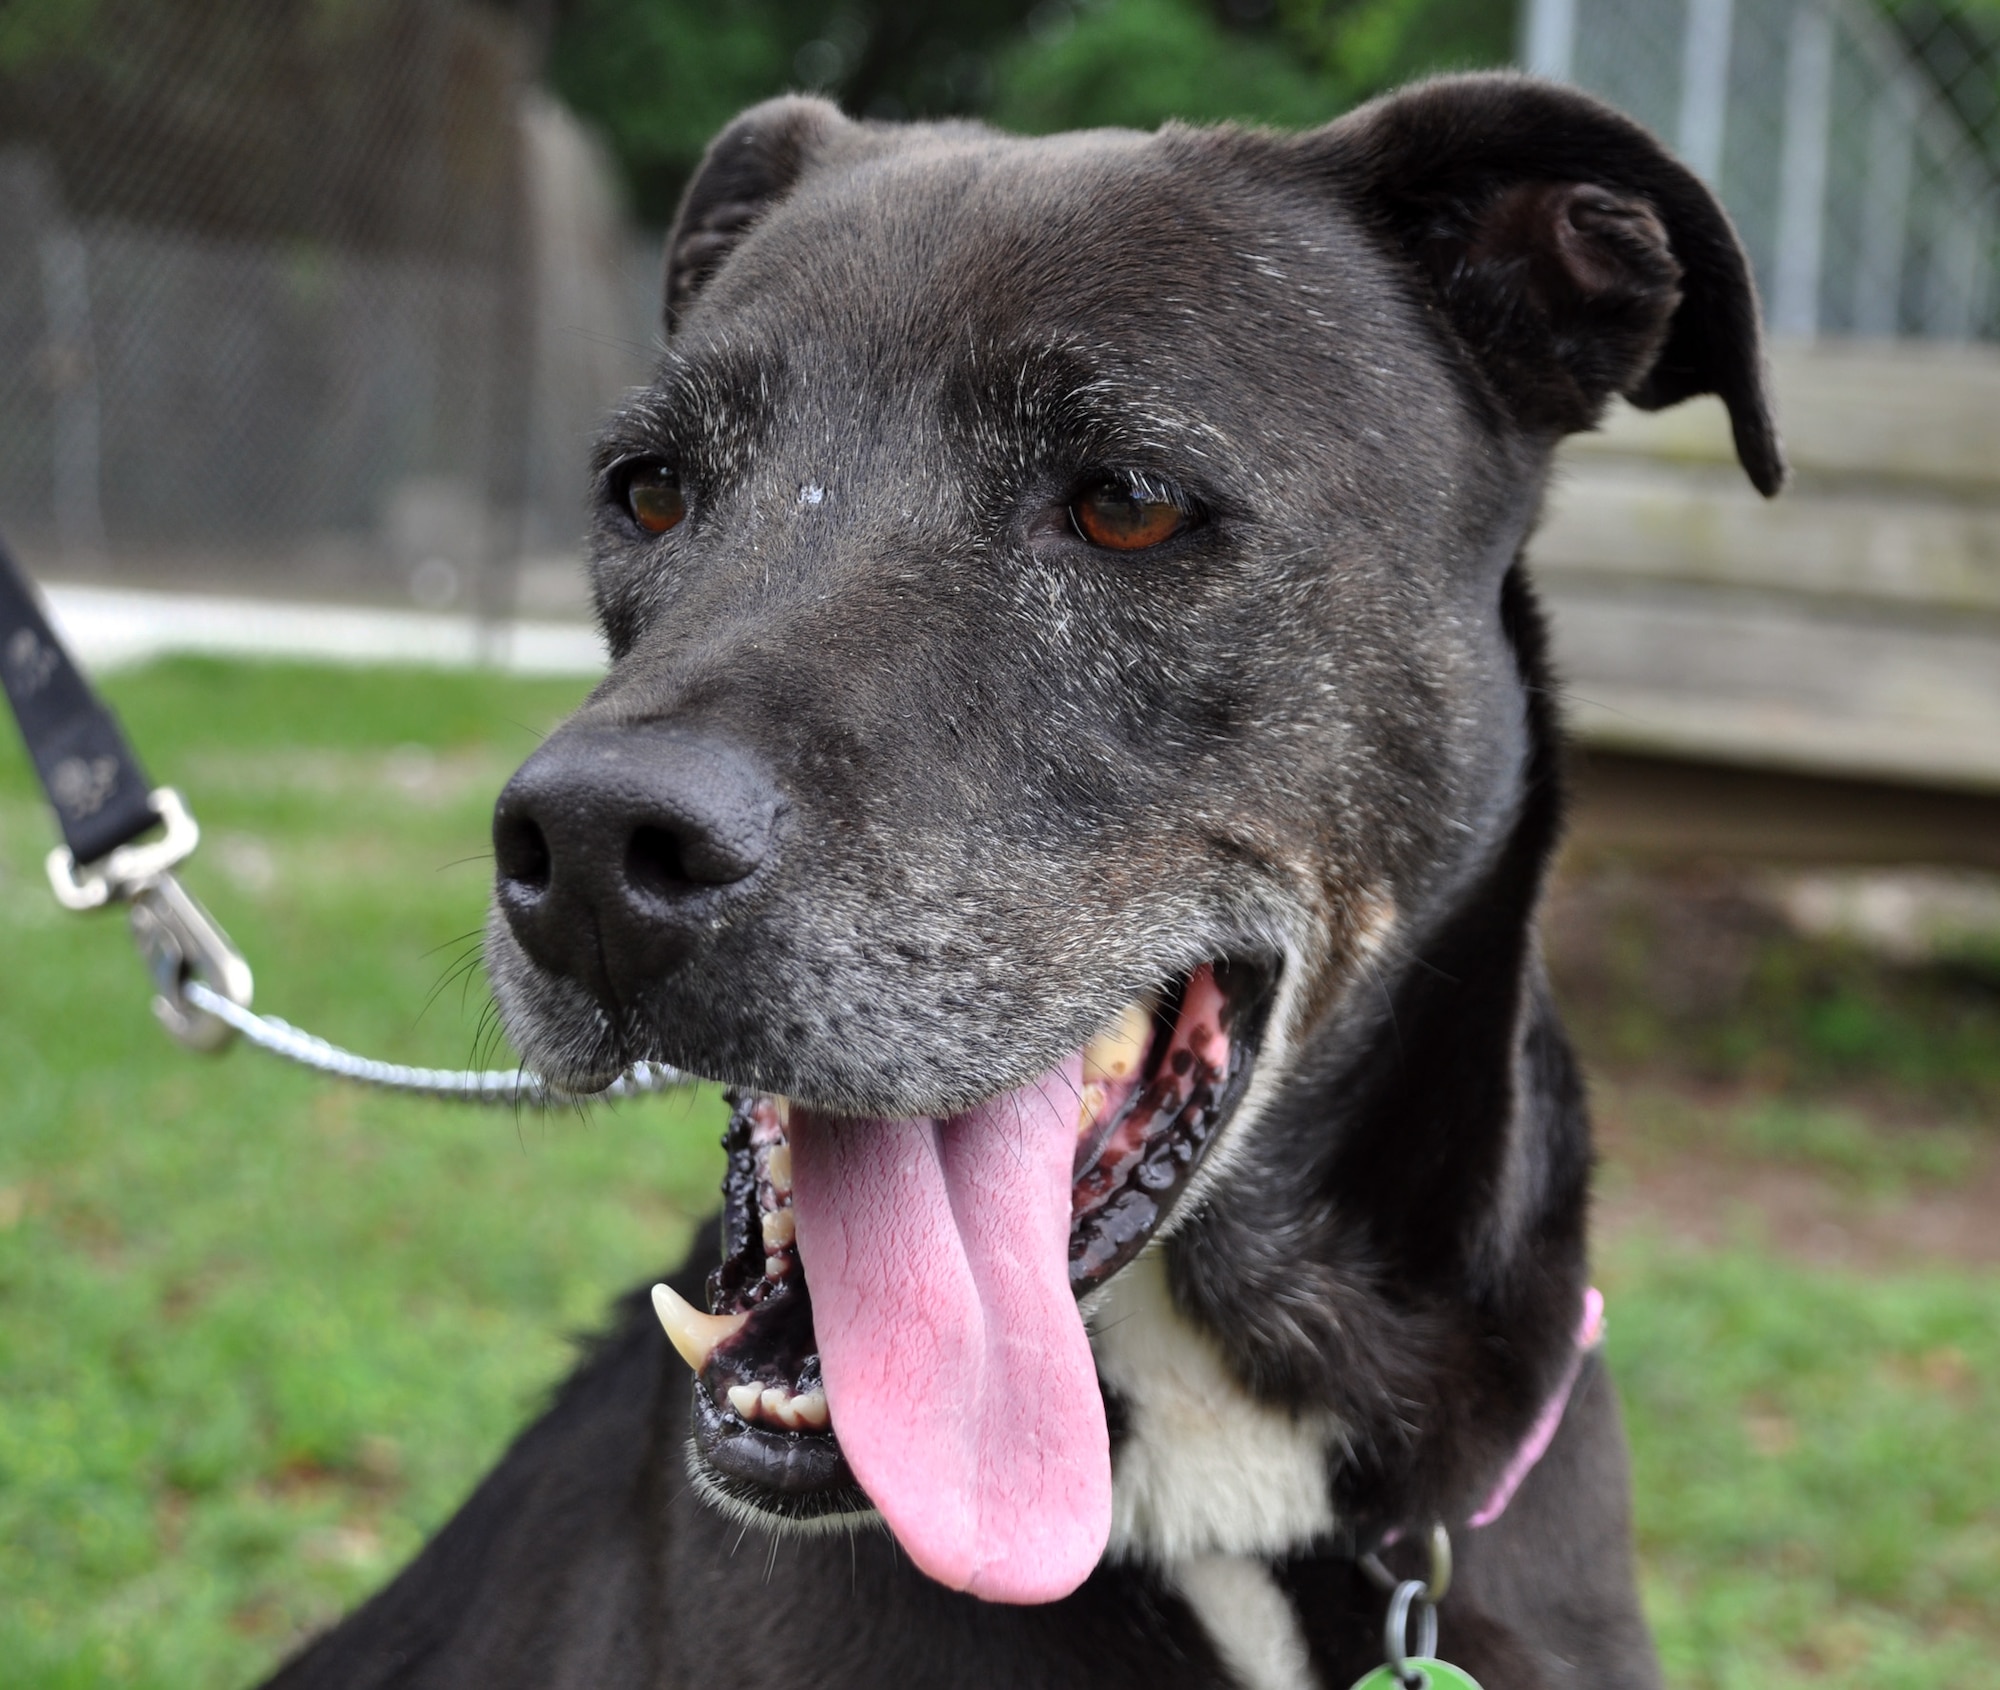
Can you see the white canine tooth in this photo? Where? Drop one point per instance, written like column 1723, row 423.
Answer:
column 777, row 1403
column 690, row 1331
column 1115, row 1053
column 1089, row 1107
column 778, row 1168
column 779, row 1229
column 810, row 1407
column 744, row 1399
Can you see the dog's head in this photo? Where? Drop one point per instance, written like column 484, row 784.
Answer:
column 1054, row 594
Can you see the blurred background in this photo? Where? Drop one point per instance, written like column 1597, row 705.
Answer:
column 308, row 309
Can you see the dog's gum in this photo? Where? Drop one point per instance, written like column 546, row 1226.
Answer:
column 1120, row 1198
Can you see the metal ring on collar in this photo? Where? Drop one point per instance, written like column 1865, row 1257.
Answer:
column 1440, row 1568
column 1396, row 1627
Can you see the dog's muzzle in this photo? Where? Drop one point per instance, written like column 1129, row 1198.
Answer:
column 895, row 1325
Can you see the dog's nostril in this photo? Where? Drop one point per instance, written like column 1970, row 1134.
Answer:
column 655, row 862
column 521, row 853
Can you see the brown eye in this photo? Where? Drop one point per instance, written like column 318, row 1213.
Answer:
column 1126, row 519
column 653, row 497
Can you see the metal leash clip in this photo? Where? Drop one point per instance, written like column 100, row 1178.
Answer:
column 180, row 941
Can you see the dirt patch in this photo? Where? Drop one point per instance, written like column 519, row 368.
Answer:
column 1760, row 1069
column 1708, row 1200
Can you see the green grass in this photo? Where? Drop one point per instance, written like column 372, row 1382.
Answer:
column 1818, row 1478
column 1841, row 1148
column 258, row 1334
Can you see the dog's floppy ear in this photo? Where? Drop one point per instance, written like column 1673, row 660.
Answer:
column 1572, row 256
column 747, row 169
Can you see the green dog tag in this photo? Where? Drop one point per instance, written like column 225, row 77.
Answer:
column 1435, row 1675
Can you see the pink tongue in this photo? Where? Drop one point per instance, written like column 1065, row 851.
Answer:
column 957, row 1369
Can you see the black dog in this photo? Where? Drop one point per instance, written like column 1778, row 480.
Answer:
column 1080, row 758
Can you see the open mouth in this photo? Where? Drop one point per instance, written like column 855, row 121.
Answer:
column 945, row 1378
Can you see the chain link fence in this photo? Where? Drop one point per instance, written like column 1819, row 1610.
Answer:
column 1854, row 143
column 315, row 296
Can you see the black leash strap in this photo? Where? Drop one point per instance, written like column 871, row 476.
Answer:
column 100, row 795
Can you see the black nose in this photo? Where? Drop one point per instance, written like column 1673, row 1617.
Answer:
column 613, row 846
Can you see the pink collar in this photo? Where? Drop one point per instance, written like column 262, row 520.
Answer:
column 1589, row 1334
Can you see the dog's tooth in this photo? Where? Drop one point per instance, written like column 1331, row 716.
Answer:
column 744, row 1399
column 780, row 1229
column 690, row 1331
column 1116, row 1052
column 776, row 1267
column 1090, row 1105
column 810, row 1407
column 778, row 1168
column 777, row 1403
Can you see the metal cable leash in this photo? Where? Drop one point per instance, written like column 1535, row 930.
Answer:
column 517, row 1086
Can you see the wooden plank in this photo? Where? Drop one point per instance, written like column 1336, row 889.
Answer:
column 1897, row 411
column 1742, row 678
column 1633, row 520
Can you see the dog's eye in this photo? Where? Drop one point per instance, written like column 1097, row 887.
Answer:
column 1124, row 517
column 652, row 496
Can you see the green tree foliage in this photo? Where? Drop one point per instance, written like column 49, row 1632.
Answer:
column 1137, row 62
column 659, row 77
column 1367, row 46
column 34, row 32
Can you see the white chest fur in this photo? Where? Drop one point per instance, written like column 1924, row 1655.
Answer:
column 1205, row 1470
column 1253, row 1626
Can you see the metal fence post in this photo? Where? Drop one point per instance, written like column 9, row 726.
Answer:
column 1802, row 172
column 1705, row 86
column 1885, row 213
column 77, row 456
column 1548, row 38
